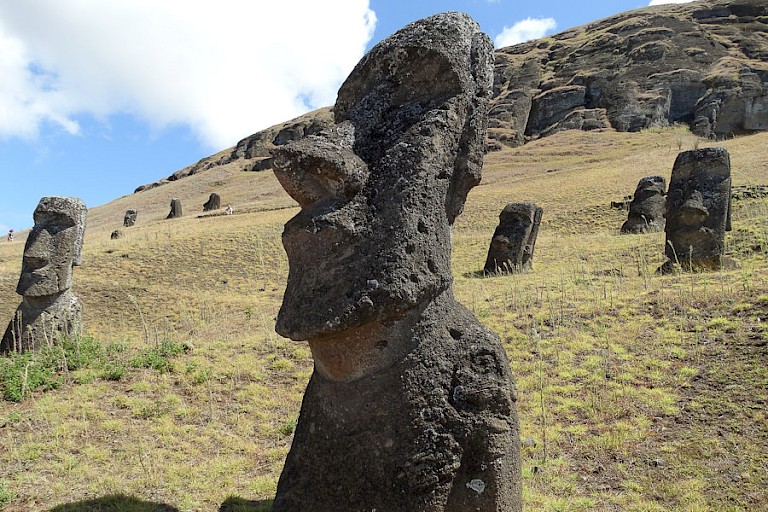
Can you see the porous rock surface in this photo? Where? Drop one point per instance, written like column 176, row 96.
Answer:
column 48, row 309
column 514, row 240
column 411, row 405
column 648, row 206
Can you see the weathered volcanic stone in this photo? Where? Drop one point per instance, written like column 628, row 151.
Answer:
column 698, row 210
column 130, row 217
column 48, row 308
column 648, row 206
column 116, row 234
column 213, row 203
column 513, row 241
column 411, row 405
column 175, row 209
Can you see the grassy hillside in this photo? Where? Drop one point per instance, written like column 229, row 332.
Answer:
column 637, row 392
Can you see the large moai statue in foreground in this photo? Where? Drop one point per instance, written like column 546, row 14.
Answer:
column 48, row 309
column 648, row 206
column 698, row 211
column 514, row 239
column 411, row 405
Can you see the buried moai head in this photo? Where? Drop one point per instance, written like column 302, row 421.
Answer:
column 381, row 188
column 175, row 209
column 213, row 203
column 130, row 217
column 53, row 247
column 514, row 240
column 648, row 206
column 699, row 208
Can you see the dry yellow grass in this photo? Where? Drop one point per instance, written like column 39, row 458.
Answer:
column 620, row 371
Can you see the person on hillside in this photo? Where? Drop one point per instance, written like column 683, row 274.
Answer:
column 10, row 235
column 229, row 210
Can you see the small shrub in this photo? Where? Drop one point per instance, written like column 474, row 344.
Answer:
column 159, row 357
column 5, row 495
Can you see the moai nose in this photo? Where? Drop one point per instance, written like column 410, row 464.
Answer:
column 38, row 245
column 693, row 212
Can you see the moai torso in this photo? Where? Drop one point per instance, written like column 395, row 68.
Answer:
column 48, row 308
column 698, row 210
column 411, row 406
column 514, row 239
column 648, row 206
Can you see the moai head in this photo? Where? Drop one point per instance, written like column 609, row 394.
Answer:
column 646, row 211
column 514, row 240
column 175, row 209
column 130, row 217
column 699, row 206
column 381, row 188
column 54, row 245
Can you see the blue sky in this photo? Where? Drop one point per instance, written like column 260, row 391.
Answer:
column 100, row 97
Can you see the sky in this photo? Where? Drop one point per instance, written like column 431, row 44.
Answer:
column 98, row 97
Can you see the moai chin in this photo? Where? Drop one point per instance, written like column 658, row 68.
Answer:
column 130, row 217
column 648, row 206
column 698, row 211
column 48, row 308
column 411, row 405
column 513, row 242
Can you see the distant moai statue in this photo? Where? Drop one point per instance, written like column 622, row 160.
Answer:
column 48, row 308
column 698, row 211
column 648, row 206
column 130, row 217
column 213, row 203
column 411, row 405
column 175, row 209
column 116, row 234
column 514, row 240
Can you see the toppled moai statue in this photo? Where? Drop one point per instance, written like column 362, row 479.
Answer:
column 175, row 209
column 130, row 217
column 512, row 245
column 411, row 405
column 213, row 203
column 698, row 211
column 646, row 211
column 48, row 308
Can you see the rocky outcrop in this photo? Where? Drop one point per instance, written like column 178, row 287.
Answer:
column 411, row 405
column 704, row 64
column 48, row 309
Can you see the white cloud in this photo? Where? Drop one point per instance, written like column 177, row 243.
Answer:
column 525, row 30
column 225, row 68
column 662, row 2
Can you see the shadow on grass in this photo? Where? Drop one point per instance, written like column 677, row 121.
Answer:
column 114, row 503
column 235, row 504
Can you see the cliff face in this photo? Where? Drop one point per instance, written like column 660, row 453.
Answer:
column 704, row 64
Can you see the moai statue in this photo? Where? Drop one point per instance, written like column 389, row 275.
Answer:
column 411, row 405
column 175, row 209
column 646, row 211
column 48, row 308
column 513, row 241
column 130, row 217
column 213, row 203
column 699, row 211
